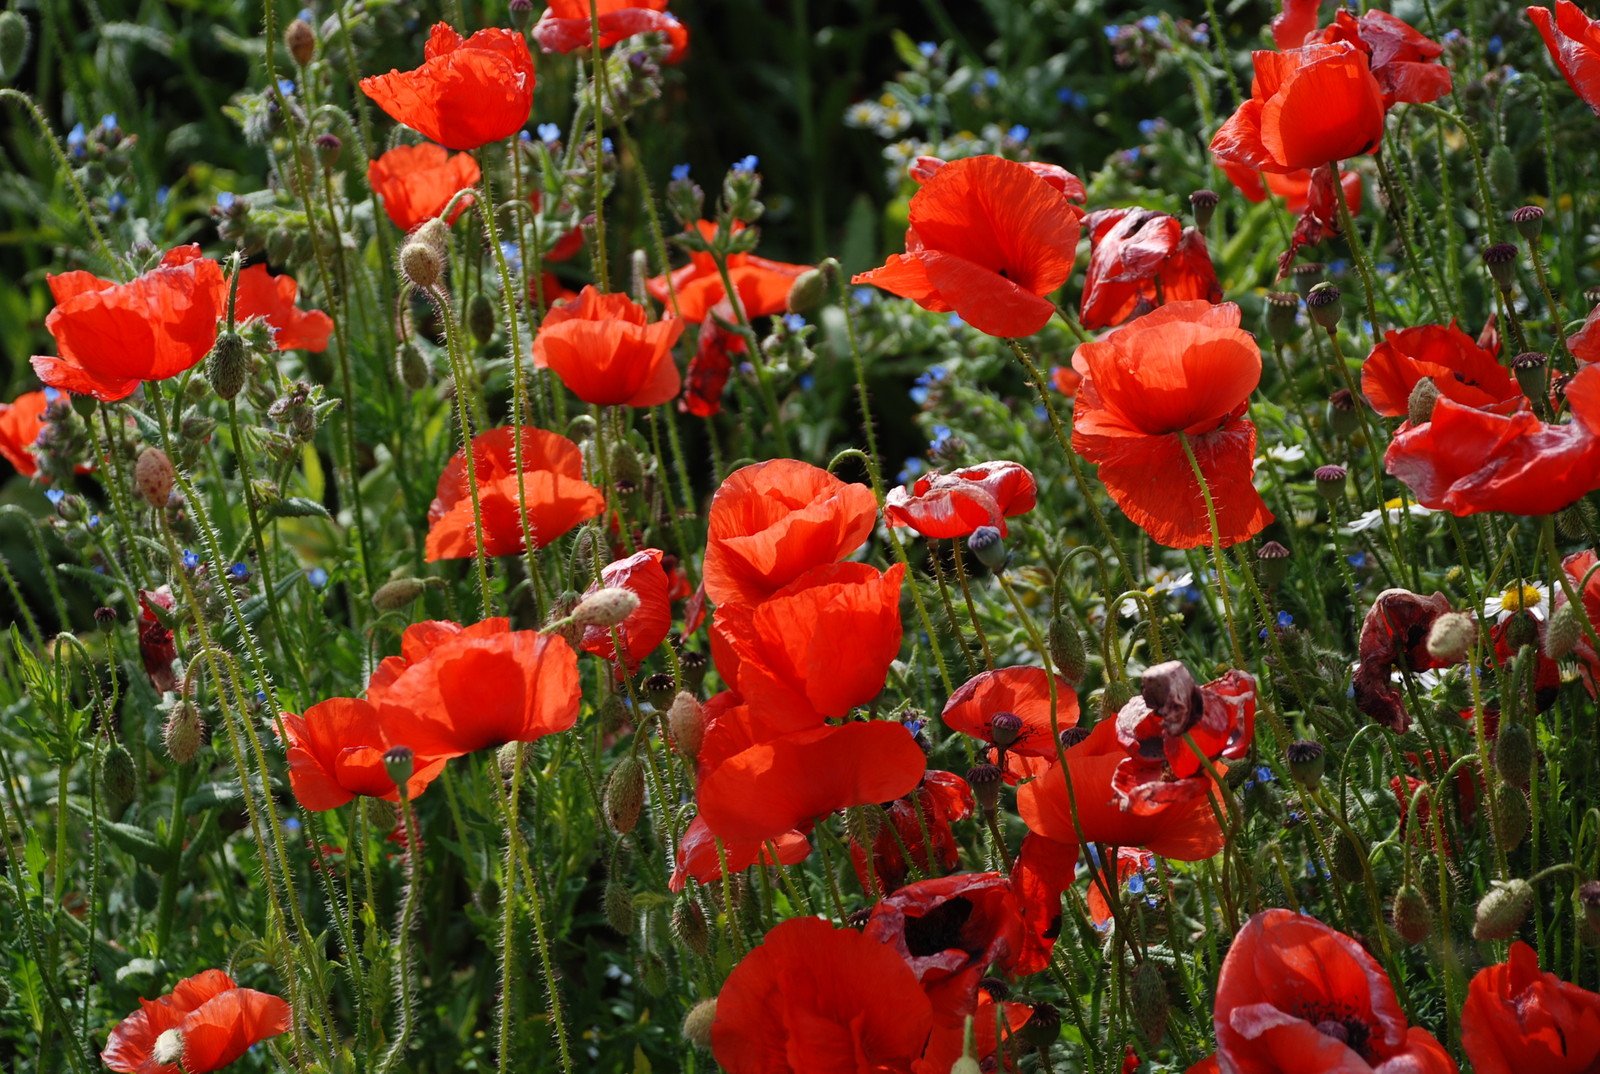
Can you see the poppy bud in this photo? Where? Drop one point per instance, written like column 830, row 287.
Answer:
column 399, row 762
column 1307, row 761
column 624, row 796
column 1066, row 648
column 521, row 12
column 1574, row 521
column 1325, row 305
column 809, row 291
column 660, row 689
column 986, row 780
column 626, row 466
column 1043, row 1027
column 168, row 1048
column 618, row 905
column 1411, row 915
column 1147, row 993
column 280, row 245
column 118, row 780
column 1005, row 728
column 411, row 366
column 153, row 476
column 1561, row 634
column 1117, row 693
column 613, row 714
column 1531, row 368
column 421, row 264
column 1452, row 637
column 1349, row 857
column 181, row 733
column 301, row 41
column 1342, row 417
column 14, row 36
column 1272, row 560
column 689, row 926
column 1502, row 172
column 687, row 721
column 1511, row 818
column 1514, row 754
column 697, row 1023
column 1501, row 260
column 986, row 544
column 605, row 608
column 1330, row 481
column 480, row 317
column 328, row 146
column 1503, row 910
column 1283, row 310
column 1529, row 221
column 1589, row 898
column 397, row 593
column 229, row 364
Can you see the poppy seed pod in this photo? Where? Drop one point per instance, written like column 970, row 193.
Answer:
column 1283, row 310
column 399, row 762
column 1529, row 220
column 986, row 544
column 1411, row 915
column 14, row 36
column 1072, row 736
column 228, row 366
column 1043, row 1027
column 181, row 733
column 1004, row 728
column 1531, row 368
column 153, row 476
column 1307, row 762
column 521, row 12
column 1502, row 911
column 624, row 795
column 1272, row 560
column 660, row 689
column 301, row 41
column 1342, row 416
column 329, row 146
column 1501, row 261
column 1326, row 305
column 1203, row 203
column 697, row 1023
column 986, row 780
column 605, row 608
column 1331, row 480
column 1452, row 637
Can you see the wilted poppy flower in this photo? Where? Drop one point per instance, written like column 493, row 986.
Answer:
column 923, row 168
column 710, row 367
column 697, row 855
column 813, row 999
column 1403, row 60
column 647, row 625
column 762, row 285
column 994, row 1023
column 1187, row 369
column 111, row 336
column 558, row 498
column 988, row 239
column 941, row 798
column 157, row 650
column 1394, row 634
column 1023, row 692
column 416, row 182
column 1467, row 459
column 1295, row 994
column 467, row 93
column 772, row 521
column 565, row 26
column 606, row 351
column 21, row 422
column 1519, row 1019
column 950, row 930
column 454, row 690
column 335, row 752
column 1573, row 39
column 956, row 503
column 1308, row 107
column 1172, row 710
column 1044, row 869
column 1447, row 356
column 785, row 783
column 216, row 1021
column 1140, row 259
column 271, row 298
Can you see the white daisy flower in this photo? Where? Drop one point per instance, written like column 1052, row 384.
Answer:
column 1395, row 508
column 1530, row 597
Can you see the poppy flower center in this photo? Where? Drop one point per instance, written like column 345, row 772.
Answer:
column 939, row 929
column 1343, row 1026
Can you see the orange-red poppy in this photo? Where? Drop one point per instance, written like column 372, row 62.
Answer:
column 1466, row 460
column 1043, row 871
column 335, row 751
column 1185, row 370
column 216, row 1020
column 1065, row 379
column 712, row 364
column 956, row 503
column 949, row 930
column 1308, row 107
column 762, row 285
column 772, row 521
column 21, row 423
column 1297, row 21
column 941, row 798
column 1403, row 60
column 647, row 625
column 697, row 854
column 565, row 25
column 1131, row 862
column 606, row 351
column 1518, row 1018
column 157, row 648
column 1296, row 994
column 923, row 168
column 1585, row 342
column 272, row 299
column 993, row 1025
column 467, row 93
column 988, row 239
column 557, row 496
column 731, row 727
column 416, row 182
column 1573, row 39
column 1293, row 187
column 1140, row 259
column 454, row 690
column 1023, row 692
column 1585, row 581
column 813, row 999
column 1447, row 356
column 1172, row 711
column 111, row 336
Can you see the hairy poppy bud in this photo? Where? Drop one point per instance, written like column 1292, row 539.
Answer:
column 1501, row 260
column 1529, row 221
column 613, row 714
column 809, row 291
column 1043, row 1027
column 118, row 780
column 1203, row 203
column 1147, row 994
column 1514, row 754
column 1342, row 416
column 153, row 476
column 168, row 1048
column 1326, row 305
column 1005, row 728
column 1562, row 632
column 689, row 927
column 1511, row 818
column 1349, row 857
column 1502, row 167
column 301, row 41
column 624, row 796
column 617, row 901
column 1420, row 403
column 1503, row 910
column 1066, row 647
column 280, row 245
column 14, row 36
column 605, row 607
column 1272, row 560
column 1117, row 693
column 435, row 234
column 397, row 593
column 421, row 264
column 986, row 780
column 229, row 364
column 480, row 317
column 1307, row 761
column 1410, row 914
column 1283, row 310
column 1452, row 637
column 687, row 721
column 181, row 733
column 1330, row 481
column 986, row 544
column 1522, row 629
column 399, row 762
column 411, row 366
column 697, row 1023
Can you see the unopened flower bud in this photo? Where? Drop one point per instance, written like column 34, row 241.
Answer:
column 697, row 1024
column 1411, row 915
column 1503, row 910
column 1330, row 481
column 301, row 41
column 1067, row 652
column 228, row 365
column 689, row 927
column 687, row 721
column 617, row 902
column 153, row 476
column 411, row 366
column 480, row 317
column 1562, row 632
column 809, row 291
column 14, row 35
column 118, row 779
column 421, row 264
column 1521, row 629
column 1452, row 637
column 1349, row 858
column 1326, row 305
column 1511, row 818
column 986, row 781
column 1272, row 560
column 1529, row 221
column 1501, row 261
column 986, row 544
column 181, row 733
column 399, row 762
column 1147, row 994
column 1117, row 693
column 1502, row 169
column 1005, row 728
column 396, row 593
column 605, row 608
column 1514, row 754
column 168, row 1048
column 624, row 795
column 1283, row 310
column 1307, row 761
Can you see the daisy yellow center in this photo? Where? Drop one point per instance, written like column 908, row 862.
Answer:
column 1520, row 598
column 1394, row 504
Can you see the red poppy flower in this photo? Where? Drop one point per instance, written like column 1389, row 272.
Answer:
column 1308, row 107
column 1131, row 862
column 989, row 239
column 1573, row 39
column 454, row 690
column 157, row 650
column 558, row 498
column 785, row 783
column 1140, row 259
column 697, row 854
column 1295, row 994
column 763, row 285
column 923, row 168
column 941, row 798
column 950, row 930
column 1519, row 1019
column 1585, row 342
column 272, row 299
column 1467, row 460
column 1394, row 632
column 606, row 351
column 647, row 625
column 416, row 182
column 1185, row 368
column 1208, row 1065
column 993, row 1024
column 710, row 368
column 1022, row 691
column 216, row 1020
column 336, row 752
column 813, row 999
column 110, row 336
column 1585, row 581
column 565, row 26
column 21, row 423
column 1065, row 379
column 1297, row 21
column 1403, row 60
column 1294, row 187
column 1447, row 356
column 772, row 521
column 955, row 504
column 1219, row 717
column 1044, row 870
column 1177, row 821
column 1546, row 672
column 467, row 93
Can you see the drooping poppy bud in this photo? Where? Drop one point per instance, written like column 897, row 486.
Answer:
column 153, row 476
column 1502, row 911
column 1411, row 915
